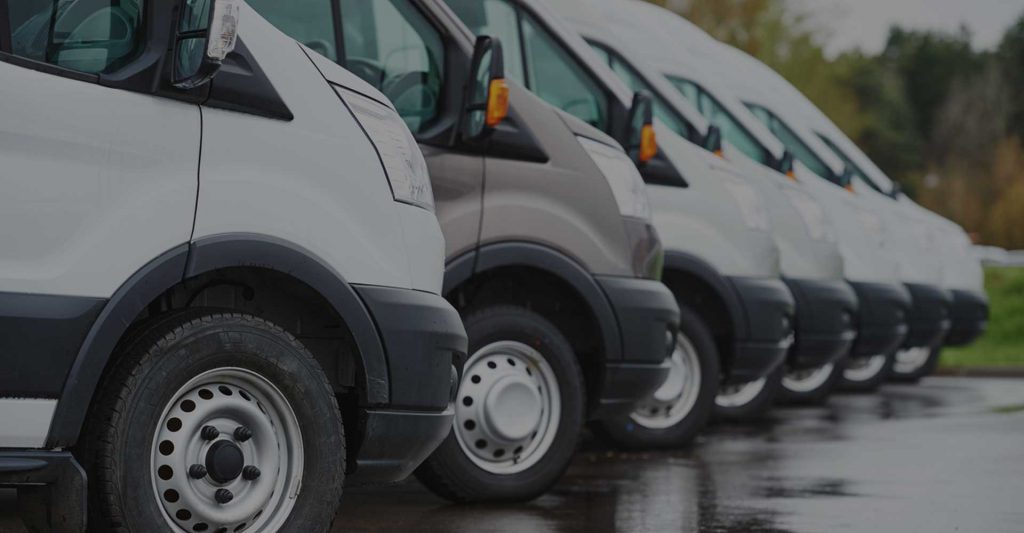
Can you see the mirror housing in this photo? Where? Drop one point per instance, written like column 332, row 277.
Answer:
column 640, row 128
column 787, row 165
column 713, row 140
column 487, row 93
column 205, row 35
column 845, row 180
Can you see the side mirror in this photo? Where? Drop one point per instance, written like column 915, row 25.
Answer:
column 787, row 166
column 846, row 179
column 897, row 190
column 206, row 34
column 713, row 140
column 641, row 136
column 487, row 94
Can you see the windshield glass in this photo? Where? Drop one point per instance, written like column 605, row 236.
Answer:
column 850, row 165
column 792, row 142
column 732, row 131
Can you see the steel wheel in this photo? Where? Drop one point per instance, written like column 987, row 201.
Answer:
column 508, row 407
column 910, row 360
column 809, row 380
column 671, row 403
column 862, row 369
column 740, row 395
column 227, row 455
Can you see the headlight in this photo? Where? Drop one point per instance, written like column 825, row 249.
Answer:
column 403, row 162
column 621, row 173
column 811, row 213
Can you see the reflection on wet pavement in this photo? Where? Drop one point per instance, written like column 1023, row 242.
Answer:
column 947, row 455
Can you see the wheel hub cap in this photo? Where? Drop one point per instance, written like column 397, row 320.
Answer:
column 807, row 380
column 741, row 394
column 675, row 399
column 508, row 407
column 224, row 461
column 911, row 360
column 864, row 368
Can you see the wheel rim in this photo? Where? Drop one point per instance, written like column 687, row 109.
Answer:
column 675, row 399
column 208, row 474
column 508, row 407
column 740, row 395
column 810, row 380
column 862, row 369
column 911, row 360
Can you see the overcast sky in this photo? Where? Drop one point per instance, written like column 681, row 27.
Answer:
column 865, row 23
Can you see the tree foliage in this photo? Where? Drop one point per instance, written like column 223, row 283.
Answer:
column 943, row 119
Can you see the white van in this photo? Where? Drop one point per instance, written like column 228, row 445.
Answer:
column 811, row 262
column 720, row 259
column 216, row 297
column 908, row 236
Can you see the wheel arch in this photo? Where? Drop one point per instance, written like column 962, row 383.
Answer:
column 190, row 261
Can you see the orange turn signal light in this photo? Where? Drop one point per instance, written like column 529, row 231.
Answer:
column 791, row 175
column 497, row 102
column 648, row 143
column 720, row 153
column 849, row 187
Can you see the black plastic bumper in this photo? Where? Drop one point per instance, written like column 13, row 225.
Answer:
column 881, row 317
column 422, row 334
column 928, row 320
column 766, row 332
column 648, row 317
column 969, row 315
column 825, row 328
column 51, row 489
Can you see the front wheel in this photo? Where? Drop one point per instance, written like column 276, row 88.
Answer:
column 912, row 364
column 681, row 407
column 811, row 386
column 518, row 413
column 749, row 401
column 214, row 422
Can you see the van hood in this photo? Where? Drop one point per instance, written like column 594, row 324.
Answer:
column 583, row 129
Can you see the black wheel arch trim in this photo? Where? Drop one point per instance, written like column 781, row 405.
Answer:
column 541, row 257
column 686, row 263
column 191, row 259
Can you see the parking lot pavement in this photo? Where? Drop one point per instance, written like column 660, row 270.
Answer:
column 946, row 455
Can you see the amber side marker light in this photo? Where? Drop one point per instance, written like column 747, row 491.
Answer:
column 849, row 187
column 648, row 143
column 791, row 175
column 497, row 102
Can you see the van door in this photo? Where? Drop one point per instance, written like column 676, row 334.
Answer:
column 95, row 182
column 399, row 50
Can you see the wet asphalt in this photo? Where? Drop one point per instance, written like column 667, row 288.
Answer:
column 945, row 455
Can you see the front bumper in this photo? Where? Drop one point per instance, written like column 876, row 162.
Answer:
column 765, row 330
column 928, row 320
column 969, row 314
column 422, row 334
column 825, row 329
column 648, row 318
column 881, row 317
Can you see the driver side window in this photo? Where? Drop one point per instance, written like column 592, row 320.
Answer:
column 391, row 45
column 92, row 36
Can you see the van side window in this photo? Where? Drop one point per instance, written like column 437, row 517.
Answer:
column 732, row 131
column 496, row 18
column 92, row 36
column 391, row 45
column 636, row 82
column 311, row 22
column 791, row 141
column 554, row 76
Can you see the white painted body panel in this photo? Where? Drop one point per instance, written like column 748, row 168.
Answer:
column 314, row 181
column 25, row 422
column 95, row 183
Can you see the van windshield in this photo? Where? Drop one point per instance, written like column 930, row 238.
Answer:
column 856, row 170
column 732, row 131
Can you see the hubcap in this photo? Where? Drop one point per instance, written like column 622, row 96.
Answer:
column 508, row 407
column 227, row 455
column 810, row 380
column 740, row 395
column 674, row 400
column 862, row 369
column 911, row 360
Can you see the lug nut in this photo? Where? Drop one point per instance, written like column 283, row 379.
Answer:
column 197, row 471
column 242, row 434
column 209, row 433
column 223, row 496
column 250, row 473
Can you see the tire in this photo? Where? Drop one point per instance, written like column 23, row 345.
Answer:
column 656, row 425
column 812, row 390
column 171, row 380
column 467, row 466
column 857, row 378
column 756, row 406
column 915, row 375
